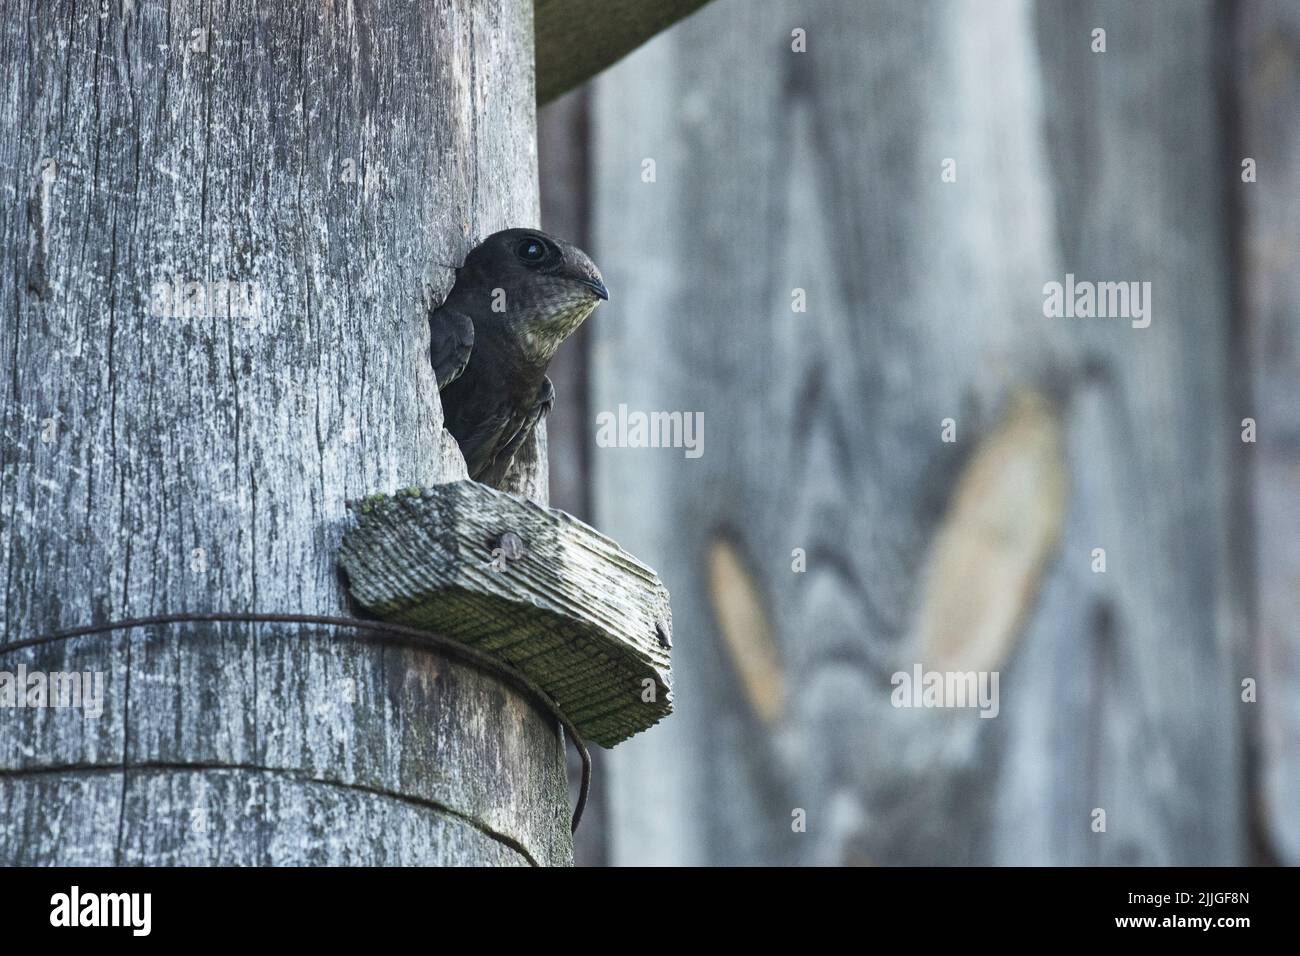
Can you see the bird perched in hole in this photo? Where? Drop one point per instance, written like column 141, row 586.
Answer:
column 519, row 295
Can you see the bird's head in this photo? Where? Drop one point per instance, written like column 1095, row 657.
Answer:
column 541, row 286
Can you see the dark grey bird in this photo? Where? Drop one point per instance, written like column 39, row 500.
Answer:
column 519, row 295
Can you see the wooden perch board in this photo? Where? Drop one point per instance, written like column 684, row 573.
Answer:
column 531, row 586
column 576, row 39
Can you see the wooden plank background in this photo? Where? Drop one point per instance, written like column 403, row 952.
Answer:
column 821, row 171
column 1266, row 63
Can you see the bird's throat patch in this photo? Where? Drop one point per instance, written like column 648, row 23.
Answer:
column 543, row 336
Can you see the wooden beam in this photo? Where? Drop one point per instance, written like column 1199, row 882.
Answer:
column 532, row 587
column 576, row 39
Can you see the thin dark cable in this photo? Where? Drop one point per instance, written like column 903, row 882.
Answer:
column 451, row 648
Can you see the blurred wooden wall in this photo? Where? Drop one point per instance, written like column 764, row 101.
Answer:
column 1266, row 67
column 821, row 171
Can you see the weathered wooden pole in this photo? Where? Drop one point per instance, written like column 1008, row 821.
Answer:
column 221, row 229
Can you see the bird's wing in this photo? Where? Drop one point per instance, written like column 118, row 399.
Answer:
column 488, row 435
column 451, row 340
column 517, row 429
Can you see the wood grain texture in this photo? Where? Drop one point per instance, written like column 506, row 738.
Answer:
column 821, row 171
column 579, row 616
column 998, row 535
column 742, row 621
column 181, row 817
column 274, row 735
column 1268, row 88
column 340, row 159
column 576, row 39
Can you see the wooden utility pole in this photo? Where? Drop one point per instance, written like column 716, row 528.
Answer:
column 221, row 230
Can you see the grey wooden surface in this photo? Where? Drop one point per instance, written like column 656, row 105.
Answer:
column 343, row 159
column 1267, row 67
column 822, row 171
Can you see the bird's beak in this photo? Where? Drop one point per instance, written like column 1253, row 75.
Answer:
column 598, row 287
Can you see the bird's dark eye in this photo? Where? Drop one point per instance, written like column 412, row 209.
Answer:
column 531, row 250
